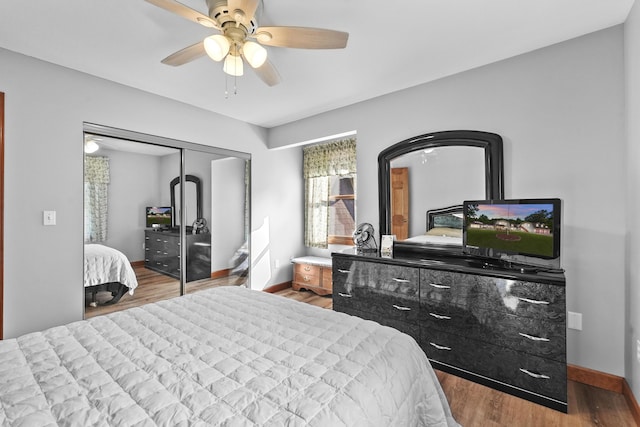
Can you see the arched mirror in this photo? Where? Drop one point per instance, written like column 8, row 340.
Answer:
column 424, row 180
column 192, row 200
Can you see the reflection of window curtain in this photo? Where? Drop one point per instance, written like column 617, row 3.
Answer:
column 96, row 185
column 320, row 162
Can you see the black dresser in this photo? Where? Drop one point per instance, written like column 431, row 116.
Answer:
column 498, row 327
column 162, row 254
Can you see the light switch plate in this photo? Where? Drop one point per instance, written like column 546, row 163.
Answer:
column 49, row 217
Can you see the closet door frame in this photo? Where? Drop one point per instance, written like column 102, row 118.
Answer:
column 1, row 215
column 100, row 130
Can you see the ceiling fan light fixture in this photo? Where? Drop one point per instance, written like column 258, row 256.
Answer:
column 217, row 46
column 233, row 65
column 255, row 54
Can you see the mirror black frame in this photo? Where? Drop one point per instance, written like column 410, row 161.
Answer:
column 494, row 174
column 188, row 178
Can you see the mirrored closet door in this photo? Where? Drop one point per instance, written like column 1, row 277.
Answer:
column 162, row 218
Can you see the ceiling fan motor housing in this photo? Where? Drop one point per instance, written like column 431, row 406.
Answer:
column 219, row 11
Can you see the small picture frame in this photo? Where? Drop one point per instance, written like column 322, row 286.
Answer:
column 386, row 245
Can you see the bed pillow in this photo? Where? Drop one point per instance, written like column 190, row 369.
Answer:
column 445, row 231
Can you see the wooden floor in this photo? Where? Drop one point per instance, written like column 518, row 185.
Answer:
column 153, row 287
column 472, row 405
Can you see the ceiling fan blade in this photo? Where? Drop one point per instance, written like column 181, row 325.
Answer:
column 268, row 73
column 302, row 37
column 185, row 55
column 249, row 8
column 185, row 11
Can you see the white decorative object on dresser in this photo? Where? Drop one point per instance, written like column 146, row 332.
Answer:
column 312, row 273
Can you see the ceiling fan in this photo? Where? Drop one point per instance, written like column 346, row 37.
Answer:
column 238, row 26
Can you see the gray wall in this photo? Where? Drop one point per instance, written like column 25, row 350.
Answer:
column 227, row 211
column 45, row 107
column 560, row 111
column 632, row 72
column 443, row 177
column 133, row 186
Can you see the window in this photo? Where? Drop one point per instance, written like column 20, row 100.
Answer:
column 342, row 209
column 330, row 193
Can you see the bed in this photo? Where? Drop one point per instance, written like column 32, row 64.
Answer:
column 107, row 269
column 224, row 356
column 444, row 227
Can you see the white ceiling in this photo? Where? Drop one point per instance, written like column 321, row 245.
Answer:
column 391, row 46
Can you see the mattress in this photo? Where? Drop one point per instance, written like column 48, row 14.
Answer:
column 103, row 264
column 435, row 240
column 225, row 356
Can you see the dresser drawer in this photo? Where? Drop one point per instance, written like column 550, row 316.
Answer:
column 409, row 328
column 546, row 339
column 378, row 306
column 384, row 291
column 444, row 288
column 307, row 274
column 532, row 373
column 444, row 347
column 348, row 273
column 528, row 299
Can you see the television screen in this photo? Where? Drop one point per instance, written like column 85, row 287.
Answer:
column 158, row 217
column 528, row 227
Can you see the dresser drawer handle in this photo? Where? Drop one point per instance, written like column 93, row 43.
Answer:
column 307, row 268
column 533, row 338
column 440, row 316
column 396, row 279
column 538, row 376
column 345, row 295
column 533, row 301
column 434, row 285
column 401, row 308
column 440, row 347
column 306, row 278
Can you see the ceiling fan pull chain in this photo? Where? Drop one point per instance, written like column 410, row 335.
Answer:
column 235, row 84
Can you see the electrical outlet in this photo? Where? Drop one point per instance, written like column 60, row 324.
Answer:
column 574, row 321
column 638, row 350
column 276, row 264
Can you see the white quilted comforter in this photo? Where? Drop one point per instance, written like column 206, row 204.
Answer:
column 226, row 356
column 103, row 264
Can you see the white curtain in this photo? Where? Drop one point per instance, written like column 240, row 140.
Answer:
column 96, row 191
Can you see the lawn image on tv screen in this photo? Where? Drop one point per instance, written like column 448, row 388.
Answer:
column 525, row 229
column 158, row 216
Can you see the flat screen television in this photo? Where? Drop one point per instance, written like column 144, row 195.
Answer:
column 158, row 217
column 525, row 231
